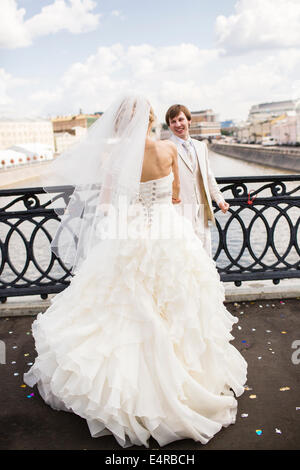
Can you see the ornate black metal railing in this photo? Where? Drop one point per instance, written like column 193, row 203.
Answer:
column 258, row 238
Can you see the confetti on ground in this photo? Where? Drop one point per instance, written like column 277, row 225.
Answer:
column 252, row 396
column 277, row 431
column 10, row 332
column 258, row 432
column 15, row 347
column 16, row 373
column 297, row 408
column 239, row 327
column 244, row 415
column 248, row 388
column 13, row 362
column 283, row 389
column 283, row 332
column 27, row 354
column 30, row 396
column 23, row 386
column 268, row 331
column 253, row 329
column 259, row 357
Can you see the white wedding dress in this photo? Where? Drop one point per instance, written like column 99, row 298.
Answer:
column 144, row 350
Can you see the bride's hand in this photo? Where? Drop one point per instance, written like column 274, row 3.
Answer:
column 176, row 200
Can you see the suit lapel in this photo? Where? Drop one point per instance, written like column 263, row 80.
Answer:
column 182, row 153
column 200, row 157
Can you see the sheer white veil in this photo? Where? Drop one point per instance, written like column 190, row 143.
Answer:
column 104, row 167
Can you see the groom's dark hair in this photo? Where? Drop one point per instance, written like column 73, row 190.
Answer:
column 174, row 110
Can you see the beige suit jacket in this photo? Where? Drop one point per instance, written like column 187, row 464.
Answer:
column 191, row 186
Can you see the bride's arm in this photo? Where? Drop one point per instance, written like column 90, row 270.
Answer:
column 176, row 181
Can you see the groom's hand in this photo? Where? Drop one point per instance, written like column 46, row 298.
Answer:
column 224, row 206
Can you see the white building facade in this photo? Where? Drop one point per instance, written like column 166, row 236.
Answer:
column 26, row 132
column 64, row 140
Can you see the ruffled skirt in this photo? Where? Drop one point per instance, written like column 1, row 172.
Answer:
column 143, row 348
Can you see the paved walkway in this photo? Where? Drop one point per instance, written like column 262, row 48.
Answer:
column 268, row 413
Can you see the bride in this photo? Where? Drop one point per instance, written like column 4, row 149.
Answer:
column 138, row 344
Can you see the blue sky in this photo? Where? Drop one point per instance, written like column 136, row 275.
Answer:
column 57, row 56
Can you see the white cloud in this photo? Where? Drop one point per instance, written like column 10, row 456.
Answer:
column 74, row 16
column 259, row 24
column 118, row 14
column 166, row 75
column 9, row 88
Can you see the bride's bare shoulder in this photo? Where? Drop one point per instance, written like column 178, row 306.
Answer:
column 167, row 145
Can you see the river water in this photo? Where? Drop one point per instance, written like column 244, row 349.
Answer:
column 221, row 166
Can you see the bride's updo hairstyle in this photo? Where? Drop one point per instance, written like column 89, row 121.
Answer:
column 152, row 116
column 124, row 115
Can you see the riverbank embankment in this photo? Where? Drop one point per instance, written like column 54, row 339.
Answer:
column 276, row 157
column 21, row 175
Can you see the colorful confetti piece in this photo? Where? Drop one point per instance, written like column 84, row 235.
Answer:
column 277, row 431
column 283, row 389
column 258, row 432
column 244, row 415
column 252, row 396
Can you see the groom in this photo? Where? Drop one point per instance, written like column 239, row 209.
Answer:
column 197, row 184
